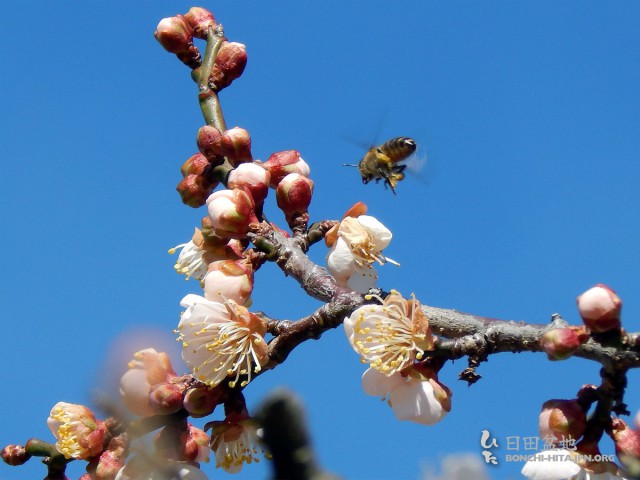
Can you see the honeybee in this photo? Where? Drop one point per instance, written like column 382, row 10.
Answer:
column 383, row 162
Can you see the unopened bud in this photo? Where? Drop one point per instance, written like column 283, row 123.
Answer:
column 237, row 146
column 209, row 141
column 202, row 401
column 600, row 309
column 15, row 455
column 627, row 446
column 281, row 164
column 199, row 20
column 229, row 280
column 166, row 398
column 562, row 420
column 294, row 194
column 253, row 178
column 231, row 212
column 230, row 63
column 192, row 192
column 194, row 165
column 174, row 34
column 561, row 343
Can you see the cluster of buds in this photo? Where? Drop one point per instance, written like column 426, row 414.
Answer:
column 600, row 308
column 176, row 34
column 233, row 144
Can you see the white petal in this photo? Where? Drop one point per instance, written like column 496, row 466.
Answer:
column 362, row 279
column 378, row 384
column 340, row 262
column 380, row 235
column 554, row 464
column 415, row 401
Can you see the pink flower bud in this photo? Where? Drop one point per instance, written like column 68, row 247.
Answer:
column 231, row 212
column 627, row 446
column 202, row 401
column 230, row 63
column 194, row 165
column 15, row 455
column 199, row 19
column 174, row 34
column 251, row 177
column 229, row 280
column 209, row 141
column 562, row 420
column 281, row 164
column 561, row 343
column 193, row 192
column 600, row 309
column 236, row 143
column 166, row 398
column 294, row 194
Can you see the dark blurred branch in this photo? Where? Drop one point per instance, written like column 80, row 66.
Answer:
column 286, row 436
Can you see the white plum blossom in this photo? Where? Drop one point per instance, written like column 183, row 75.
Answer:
column 190, row 261
column 235, row 442
column 357, row 246
column 78, row 433
column 221, row 340
column 391, row 336
column 420, row 401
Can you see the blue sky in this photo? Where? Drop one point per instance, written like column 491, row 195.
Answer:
column 528, row 113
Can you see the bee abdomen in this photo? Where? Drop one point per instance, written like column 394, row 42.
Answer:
column 399, row 148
